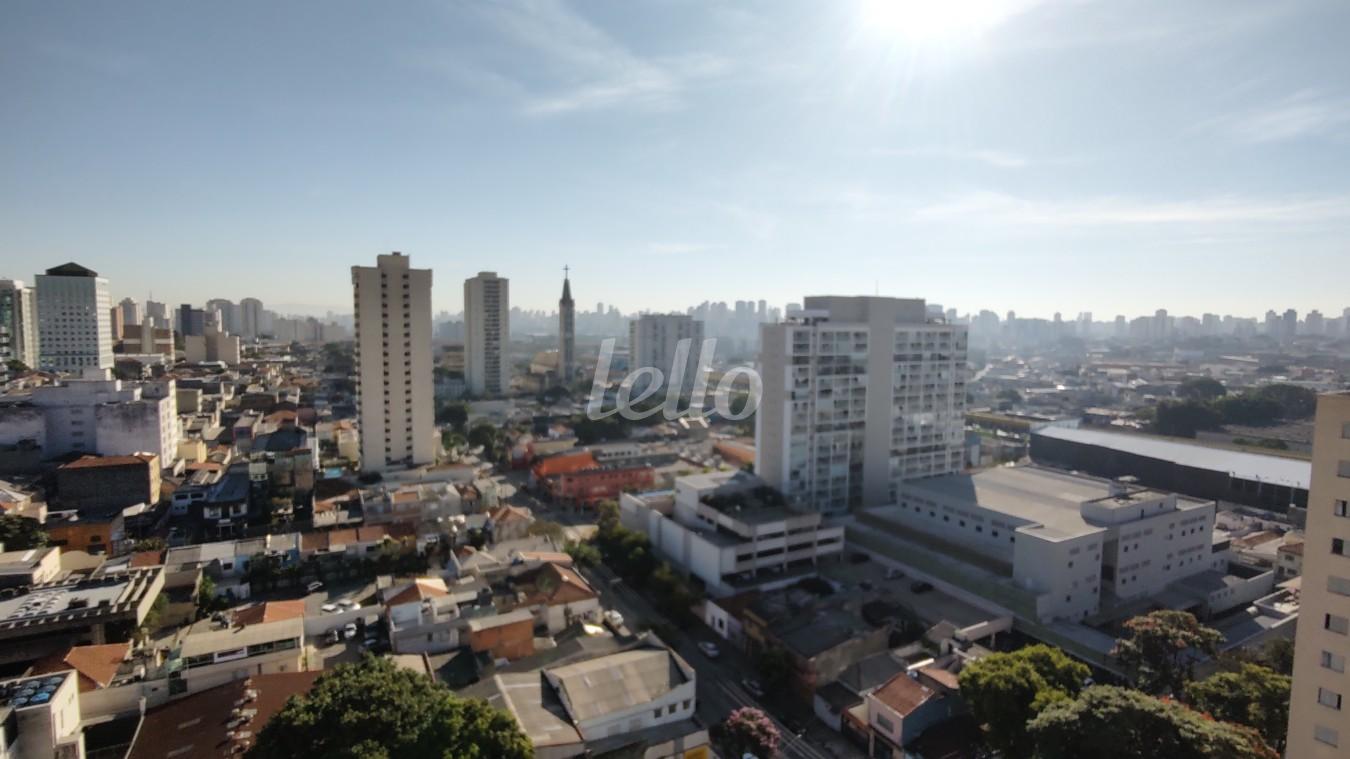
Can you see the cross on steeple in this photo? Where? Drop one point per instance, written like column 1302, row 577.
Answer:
column 566, row 268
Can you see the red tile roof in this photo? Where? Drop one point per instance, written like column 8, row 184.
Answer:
column 269, row 611
column 146, row 559
column 96, row 665
column 92, row 462
column 199, row 726
column 902, row 694
column 421, row 589
column 565, row 463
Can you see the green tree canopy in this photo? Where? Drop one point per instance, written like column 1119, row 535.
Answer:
column 1253, row 695
column 1105, row 722
column 1005, row 691
column 375, row 710
column 1294, row 402
column 1159, row 649
column 1201, row 389
column 21, row 533
column 1184, row 418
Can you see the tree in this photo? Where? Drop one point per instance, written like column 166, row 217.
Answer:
column 21, row 533
column 1005, row 691
column 548, row 529
column 584, row 554
column 1106, row 722
column 1253, row 695
column 454, row 414
column 149, row 544
column 1293, row 401
column 487, row 435
column 746, row 730
column 1185, row 418
column 374, row 709
column 1160, row 648
column 1201, row 389
column 16, row 366
column 775, row 667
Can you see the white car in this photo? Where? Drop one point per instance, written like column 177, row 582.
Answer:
column 329, row 608
column 349, row 604
column 709, row 649
column 314, row 587
column 349, row 630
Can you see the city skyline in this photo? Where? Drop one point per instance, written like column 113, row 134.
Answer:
column 790, row 133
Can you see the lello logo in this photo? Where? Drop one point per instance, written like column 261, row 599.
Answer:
column 648, row 381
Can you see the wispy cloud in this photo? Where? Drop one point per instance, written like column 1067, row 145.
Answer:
column 997, row 158
column 1306, row 113
column 998, row 208
column 551, row 60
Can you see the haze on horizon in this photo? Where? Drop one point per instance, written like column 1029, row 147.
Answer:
column 1004, row 154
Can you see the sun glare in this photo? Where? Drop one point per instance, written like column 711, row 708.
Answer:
column 934, row 20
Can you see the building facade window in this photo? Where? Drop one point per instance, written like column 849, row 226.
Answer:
column 1333, row 661
column 1326, row 735
column 1329, row 698
column 1338, row 585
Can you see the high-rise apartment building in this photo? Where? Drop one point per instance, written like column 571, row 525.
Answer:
column 74, row 320
column 228, row 321
column 1319, row 705
column 250, row 318
column 191, row 321
column 567, row 334
column 654, row 341
column 859, row 395
column 159, row 314
column 392, row 305
column 487, row 330
column 131, row 311
column 18, row 323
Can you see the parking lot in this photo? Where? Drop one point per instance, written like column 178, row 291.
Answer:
column 932, row 606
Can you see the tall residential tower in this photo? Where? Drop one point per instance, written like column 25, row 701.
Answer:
column 487, row 330
column 74, row 320
column 654, row 342
column 392, row 304
column 1319, row 704
column 859, row 395
column 18, row 323
column 567, row 334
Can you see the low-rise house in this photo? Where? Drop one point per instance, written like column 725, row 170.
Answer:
column 1289, row 559
column 40, row 717
column 637, row 701
column 108, row 484
column 507, row 636
column 900, row 711
column 423, row 616
column 220, row 721
column 31, row 566
column 556, row 596
column 509, row 523
column 16, row 501
column 255, row 640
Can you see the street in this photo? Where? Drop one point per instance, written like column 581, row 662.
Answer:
column 719, row 680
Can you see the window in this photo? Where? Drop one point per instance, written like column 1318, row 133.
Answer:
column 1345, row 431
column 1326, row 735
column 1329, row 698
column 1333, row 662
column 1343, row 469
column 1338, row 585
column 1341, row 508
column 1338, row 546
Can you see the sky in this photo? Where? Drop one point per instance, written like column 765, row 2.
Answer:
column 1113, row 156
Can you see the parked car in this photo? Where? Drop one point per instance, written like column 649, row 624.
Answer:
column 349, row 630
column 314, row 587
column 920, row 587
column 709, row 649
column 329, row 608
column 349, row 604
column 332, row 636
column 753, row 687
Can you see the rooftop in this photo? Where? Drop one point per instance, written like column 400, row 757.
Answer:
column 1279, row 470
column 617, row 682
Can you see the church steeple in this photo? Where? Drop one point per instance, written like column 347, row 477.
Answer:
column 567, row 288
column 566, row 333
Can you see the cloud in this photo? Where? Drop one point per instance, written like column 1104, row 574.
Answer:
column 996, row 158
column 1307, row 113
column 998, row 208
column 549, row 60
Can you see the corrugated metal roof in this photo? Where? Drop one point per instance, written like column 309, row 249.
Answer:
column 1279, row 470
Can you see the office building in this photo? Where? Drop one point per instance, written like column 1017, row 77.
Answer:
column 567, row 334
column 731, row 531
column 392, row 304
column 228, row 319
column 487, row 331
column 859, row 395
column 131, row 311
column 158, row 313
column 74, row 320
column 1319, row 706
column 18, row 323
column 655, row 346
column 191, row 321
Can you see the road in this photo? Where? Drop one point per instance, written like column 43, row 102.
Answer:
column 719, row 680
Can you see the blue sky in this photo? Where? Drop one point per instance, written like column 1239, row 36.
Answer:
column 1112, row 156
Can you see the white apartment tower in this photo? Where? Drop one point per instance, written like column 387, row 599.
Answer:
column 1319, row 705
column 74, row 320
column 250, row 318
column 131, row 311
column 18, row 323
column 859, row 395
column 392, row 304
column 654, row 340
column 487, row 330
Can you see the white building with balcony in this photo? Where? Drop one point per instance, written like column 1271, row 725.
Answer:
column 860, row 394
column 732, row 531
